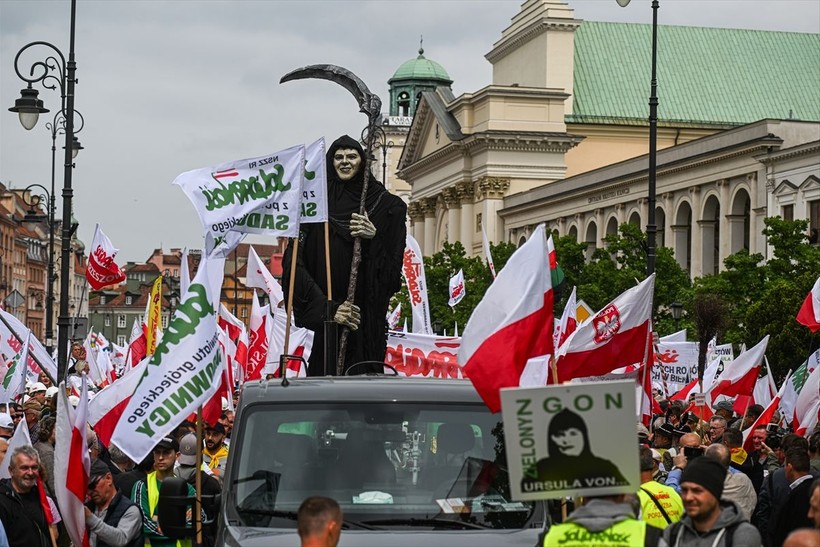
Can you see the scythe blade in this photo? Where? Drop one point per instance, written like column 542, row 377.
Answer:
column 369, row 103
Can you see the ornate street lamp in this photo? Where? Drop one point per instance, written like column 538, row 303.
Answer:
column 653, row 140
column 677, row 312
column 53, row 72
column 384, row 145
column 33, row 202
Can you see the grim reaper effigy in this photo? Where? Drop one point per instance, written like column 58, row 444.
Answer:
column 366, row 239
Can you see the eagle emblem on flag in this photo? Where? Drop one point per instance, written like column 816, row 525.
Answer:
column 607, row 324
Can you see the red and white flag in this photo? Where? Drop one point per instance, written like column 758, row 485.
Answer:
column 807, row 408
column 258, row 348
column 138, row 344
column 617, row 336
column 487, row 254
column 809, row 313
column 568, row 323
column 511, row 324
column 259, row 276
column 766, row 417
column 228, row 321
column 692, row 387
column 457, row 291
column 101, row 270
column 739, row 376
column 72, row 463
column 105, row 409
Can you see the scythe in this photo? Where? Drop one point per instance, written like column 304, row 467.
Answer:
column 370, row 105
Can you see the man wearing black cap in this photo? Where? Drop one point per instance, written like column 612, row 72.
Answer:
column 146, row 493
column 708, row 521
column 215, row 454
column 112, row 519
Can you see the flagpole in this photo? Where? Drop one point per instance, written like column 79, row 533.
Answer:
column 198, row 480
column 327, row 262
column 649, row 343
column 330, row 341
column 289, row 311
column 79, row 309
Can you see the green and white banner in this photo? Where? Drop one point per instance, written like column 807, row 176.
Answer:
column 314, row 187
column 259, row 195
column 184, row 371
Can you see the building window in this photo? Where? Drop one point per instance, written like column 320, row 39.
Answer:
column 164, row 321
column 788, row 212
column 107, row 320
column 478, row 222
column 121, row 340
column 243, row 313
column 128, row 300
column 404, row 104
column 814, row 222
column 102, row 300
column 121, row 321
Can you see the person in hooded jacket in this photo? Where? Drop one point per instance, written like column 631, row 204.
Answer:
column 383, row 235
column 604, row 520
column 709, row 522
column 571, row 463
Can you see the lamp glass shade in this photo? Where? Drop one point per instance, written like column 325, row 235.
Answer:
column 28, row 119
column 677, row 310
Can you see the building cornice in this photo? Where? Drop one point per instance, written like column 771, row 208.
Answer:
column 507, row 45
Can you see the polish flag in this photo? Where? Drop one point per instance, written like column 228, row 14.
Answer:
column 105, row 409
column 228, row 321
column 692, row 387
column 809, row 313
column 511, row 324
column 259, row 276
column 617, row 336
column 487, row 254
column 807, row 408
column 739, row 376
column 72, row 463
column 241, row 355
column 766, row 417
column 212, row 410
column 568, row 323
column 258, row 348
column 138, row 344
column 762, row 395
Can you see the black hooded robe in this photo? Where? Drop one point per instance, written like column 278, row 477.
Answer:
column 379, row 271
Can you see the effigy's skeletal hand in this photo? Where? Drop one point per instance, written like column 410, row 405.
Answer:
column 348, row 314
column 360, row 226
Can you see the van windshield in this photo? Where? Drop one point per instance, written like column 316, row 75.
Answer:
column 388, row 465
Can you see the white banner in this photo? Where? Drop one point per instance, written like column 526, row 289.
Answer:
column 413, row 270
column 253, row 196
column 678, row 361
column 457, row 291
column 314, row 187
column 184, row 372
column 12, row 333
column 393, row 317
column 571, row 440
column 423, row 355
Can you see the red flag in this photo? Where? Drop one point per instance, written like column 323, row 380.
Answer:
column 739, row 376
column 511, row 324
column 258, row 348
column 72, row 463
column 764, row 418
column 809, row 313
column 101, row 270
column 107, row 406
column 615, row 337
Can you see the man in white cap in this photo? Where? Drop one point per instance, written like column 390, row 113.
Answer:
column 38, row 392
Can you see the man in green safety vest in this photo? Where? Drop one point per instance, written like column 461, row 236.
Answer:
column 146, row 493
column 604, row 520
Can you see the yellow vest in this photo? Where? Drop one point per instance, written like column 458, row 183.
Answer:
column 627, row 533
column 152, row 484
column 669, row 500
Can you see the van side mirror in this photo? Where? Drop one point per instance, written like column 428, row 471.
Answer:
column 172, row 508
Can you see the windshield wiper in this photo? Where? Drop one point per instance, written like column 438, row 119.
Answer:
column 292, row 515
column 427, row 522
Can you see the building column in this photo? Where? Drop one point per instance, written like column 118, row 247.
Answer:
column 680, row 243
column 416, row 214
column 707, row 234
column 466, row 193
column 697, row 235
column 490, row 193
column 453, row 204
column 429, row 209
column 725, row 243
column 669, row 217
column 600, row 228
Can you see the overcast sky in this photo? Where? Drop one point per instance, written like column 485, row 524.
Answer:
column 167, row 87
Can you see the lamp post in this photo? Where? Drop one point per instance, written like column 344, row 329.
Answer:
column 384, row 145
column 677, row 312
column 653, row 140
column 51, row 72
column 33, row 203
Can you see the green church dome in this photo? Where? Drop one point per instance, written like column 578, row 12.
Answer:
column 421, row 68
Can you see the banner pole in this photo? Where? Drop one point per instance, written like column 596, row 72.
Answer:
column 327, row 262
column 289, row 310
column 646, row 367
column 554, row 367
column 198, row 480
column 331, row 335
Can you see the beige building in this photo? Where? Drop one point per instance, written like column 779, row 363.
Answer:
column 561, row 136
